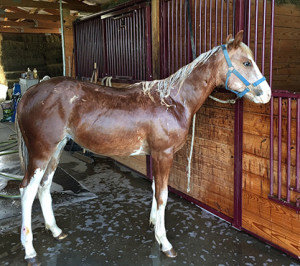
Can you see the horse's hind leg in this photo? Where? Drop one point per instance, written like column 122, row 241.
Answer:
column 45, row 196
column 28, row 191
column 162, row 162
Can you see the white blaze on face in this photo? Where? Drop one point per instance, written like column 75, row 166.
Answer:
column 264, row 86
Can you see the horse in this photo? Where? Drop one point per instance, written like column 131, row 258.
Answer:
column 146, row 118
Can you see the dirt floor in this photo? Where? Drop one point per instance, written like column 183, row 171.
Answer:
column 112, row 227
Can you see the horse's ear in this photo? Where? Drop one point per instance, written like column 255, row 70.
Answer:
column 229, row 37
column 238, row 39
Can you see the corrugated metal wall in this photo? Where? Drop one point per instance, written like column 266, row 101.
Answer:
column 88, row 47
column 120, row 43
column 126, row 45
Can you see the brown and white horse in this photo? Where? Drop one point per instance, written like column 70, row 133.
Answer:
column 146, row 118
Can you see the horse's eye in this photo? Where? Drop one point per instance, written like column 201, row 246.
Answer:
column 247, row 63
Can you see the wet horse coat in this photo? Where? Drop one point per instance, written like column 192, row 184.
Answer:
column 146, row 118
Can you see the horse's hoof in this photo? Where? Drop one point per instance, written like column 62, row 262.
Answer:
column 170, row 253
column 33, row 262
column 152, row 226
column 61, row 236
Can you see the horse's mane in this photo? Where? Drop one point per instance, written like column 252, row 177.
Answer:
column 165, row 86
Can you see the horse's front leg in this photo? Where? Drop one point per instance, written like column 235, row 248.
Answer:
column 162, row 162
column 152, row 219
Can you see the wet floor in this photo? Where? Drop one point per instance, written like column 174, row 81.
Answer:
column 113, row 229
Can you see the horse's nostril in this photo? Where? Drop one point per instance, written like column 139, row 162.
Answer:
column 259, row 92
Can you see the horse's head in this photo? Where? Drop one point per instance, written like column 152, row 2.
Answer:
column 242, row 75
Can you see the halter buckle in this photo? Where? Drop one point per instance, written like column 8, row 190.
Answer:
column 251, row 87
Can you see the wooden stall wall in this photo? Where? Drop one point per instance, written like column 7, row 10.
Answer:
column 212, row 174
column 287, row 48
column 273, row 222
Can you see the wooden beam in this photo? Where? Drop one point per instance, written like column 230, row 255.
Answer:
column 49, row 5
column 25, row 24
column 26, row 15
column 52, row 11
column 16, row 10
column 28, row 30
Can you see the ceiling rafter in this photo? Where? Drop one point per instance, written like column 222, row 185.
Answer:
column 51, row 5
column 26, row 15
column 37, row 15
column 26, row 24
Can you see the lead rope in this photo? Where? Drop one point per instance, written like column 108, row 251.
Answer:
column 231, row 101
column 188, row 10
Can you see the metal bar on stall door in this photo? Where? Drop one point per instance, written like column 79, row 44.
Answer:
column 298, row 145
column 130, row 26
column 221, row 22
column 141, row 52
column 168, row 31
column 227, row 19
column 115, row 58
column 234, row 17
column 272, row 147
column 210, row 24
column 149, row 74
column 216, row 23
column 105, row 50
column 289, row 118
column 279, row 147
column 256, row 30
column 164, row 37
column 108, row 45
column 176, row 42
column 205, row 25
column 263, row 37
column 142, row 43
column 127, row 36
column 172, row 42
column 195, row 26
column 249, row 23
column 122, row 47
column 117, row 44
column 186, row 41
column 62, row 36
column 272, row 42
column 180, row 33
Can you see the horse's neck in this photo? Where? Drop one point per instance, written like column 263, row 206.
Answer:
column 199, row 84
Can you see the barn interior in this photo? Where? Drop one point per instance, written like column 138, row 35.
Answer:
column 102, row 227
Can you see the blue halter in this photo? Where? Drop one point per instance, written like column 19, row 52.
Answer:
column 235, row 72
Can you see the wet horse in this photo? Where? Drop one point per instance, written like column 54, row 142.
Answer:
column 145, row 118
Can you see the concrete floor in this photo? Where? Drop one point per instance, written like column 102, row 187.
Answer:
column 113, row 227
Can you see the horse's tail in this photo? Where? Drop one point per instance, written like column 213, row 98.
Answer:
column 23, row 152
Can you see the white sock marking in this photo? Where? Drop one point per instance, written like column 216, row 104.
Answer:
column 160, row 231
column 154, row 206
column 27, row 197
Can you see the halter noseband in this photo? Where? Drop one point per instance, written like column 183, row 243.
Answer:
column 231, row 69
